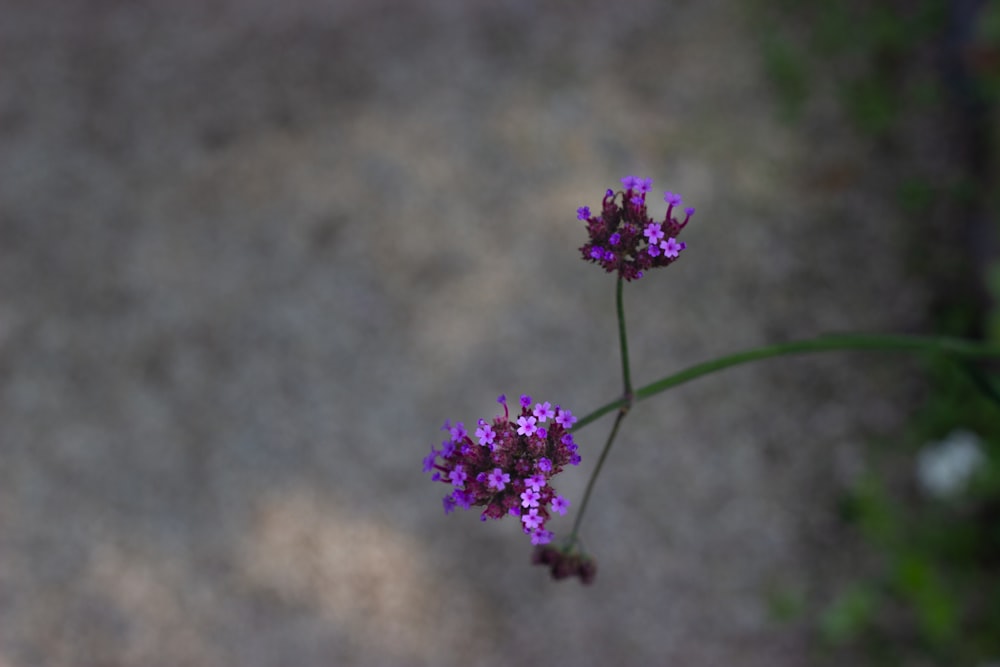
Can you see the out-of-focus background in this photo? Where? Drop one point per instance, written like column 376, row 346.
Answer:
column 253, row 254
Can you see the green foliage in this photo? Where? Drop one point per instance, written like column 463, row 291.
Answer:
column 787, row 73
column 871, row 104
column 786, row 605
column 938, row 555
column 993, row 318
column 987, row 52
column 858, row 46
column 850, row 615
column 931, row 591
column 917, row 581
column 915, row 195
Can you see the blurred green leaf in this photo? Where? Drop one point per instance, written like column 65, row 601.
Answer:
column 871, row 104
column 786, row 70
column 919, row 583
column 833, row 28
column 915, row 195
column 785, row 605
column 849, row 615
column 870, row 509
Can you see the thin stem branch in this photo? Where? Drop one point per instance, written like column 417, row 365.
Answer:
column 593, row 476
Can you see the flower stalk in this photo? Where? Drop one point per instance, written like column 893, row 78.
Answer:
column 507, row 469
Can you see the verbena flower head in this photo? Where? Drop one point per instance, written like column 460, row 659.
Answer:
column 625, row 239
column 506, row 467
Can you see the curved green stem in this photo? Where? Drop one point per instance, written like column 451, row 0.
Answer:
column 920, row 344
column 828, row 343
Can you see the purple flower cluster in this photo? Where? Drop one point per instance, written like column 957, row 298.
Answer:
column 624, row 238
column 507, row 467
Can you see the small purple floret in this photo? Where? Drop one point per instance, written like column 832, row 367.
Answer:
column 671, row 248
column 543, row 411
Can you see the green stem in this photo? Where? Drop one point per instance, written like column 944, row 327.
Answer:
column 828, row 343
column 623, row 342
column 593, row 476
column 626, row 403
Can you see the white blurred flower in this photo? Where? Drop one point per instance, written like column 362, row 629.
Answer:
column 945, row 467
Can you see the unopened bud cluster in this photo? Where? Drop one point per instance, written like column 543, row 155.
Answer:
column 563, row 563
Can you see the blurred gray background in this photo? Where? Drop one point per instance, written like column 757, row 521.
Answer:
column 252, row 255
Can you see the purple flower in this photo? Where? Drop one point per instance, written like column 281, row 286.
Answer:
column 645, row 185
column 541, row 536
column 463, row 499
column 689, row 211
column 530, row 498
column 457, row 431
column 543, row 411
column 565, row 419
column 536, row 481
column 672, row 199
column 560, row 504
column 615, row 239
column 583, row 213
column 671, row 248
column 531, row 520
column 544, row 464
column 637, row 200
column 449, row 504
column 654, row 232
column 630, row 182
column 447, row 449
column 458, row 476
column 498, row 479
column 525, row 425
column 485, row 433
column 429, row 460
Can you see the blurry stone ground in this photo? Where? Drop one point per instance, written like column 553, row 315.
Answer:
column 252, row 254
